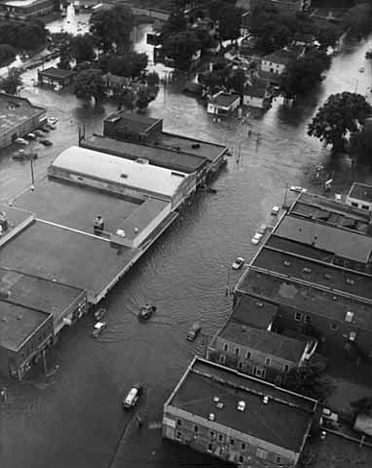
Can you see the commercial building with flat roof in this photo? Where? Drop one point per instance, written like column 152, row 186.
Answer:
column 24, row 333
column 122, row 176
column 360, row 196
column 133, row 127
column 18, row 118
column 237, row 418
column 24, row 9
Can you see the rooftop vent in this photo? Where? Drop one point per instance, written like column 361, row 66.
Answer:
column 349, row 281
column 211, row 417
column 349, row 316
column 287, row 263
column 306, row 270
column 142, row 161
column 327, row 276
column 195, row 146
column 216, row 399
column 259, row 304
column 220, row 405
column 334, row 298
column 241, row 405
column 123, row 176
column 265, row 399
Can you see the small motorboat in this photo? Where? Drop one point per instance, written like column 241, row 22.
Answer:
column 146, row 311
column 100, row 313
column 194, row 331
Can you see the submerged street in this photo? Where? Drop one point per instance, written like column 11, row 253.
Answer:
column 73, row 417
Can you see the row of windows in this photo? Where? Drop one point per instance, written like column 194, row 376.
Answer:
column 248, row 355
column 32, row 345
column 364, row 207
column 333, row 326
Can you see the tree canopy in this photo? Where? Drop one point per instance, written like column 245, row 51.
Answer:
column 358, row 20
column 128, row 64
column 82, row 48
column 88, row 84
column 25, row 35
column 112, row 27
column 144, row 96
column 229, row 20
column 181, row 47
column 175, row 24
column 341, row 113
column 363, row 405
column 304, row 73
column 11, row 83
column 7, row 54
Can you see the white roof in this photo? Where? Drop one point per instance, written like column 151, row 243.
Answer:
column 120, row 170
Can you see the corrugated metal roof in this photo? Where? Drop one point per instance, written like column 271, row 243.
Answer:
column 121, row 171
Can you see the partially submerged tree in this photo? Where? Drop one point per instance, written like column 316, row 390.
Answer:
column 11, row 83
column 89, row 84
column 341, row 114
column 363, row 405
column 144, row 96
column 181, row 47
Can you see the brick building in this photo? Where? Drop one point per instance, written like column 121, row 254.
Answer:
column 132, row 127
column 237, row 418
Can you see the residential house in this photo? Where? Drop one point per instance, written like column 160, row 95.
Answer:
column 277, row 62
column 360, row 196
column 223, row 103
column 237, row 418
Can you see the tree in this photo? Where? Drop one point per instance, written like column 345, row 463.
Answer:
column 310, row 380
column 82, row 48
column 126, row 97
column 236, row 81
column 23, row 35
column 112, row 27
column 129, row 64
column 273, row 36
column 12, row 82
column 304, row 73
column 328, row 36
column 61, row 43
column 144, row 96
column 152, row 79
column 363, row 405
column 229, row 20
column 361, row 145
column 181, row 47
column 358, row 20
column 88, row 84
column 7, row 54
column 340, row 114
column 175, row 24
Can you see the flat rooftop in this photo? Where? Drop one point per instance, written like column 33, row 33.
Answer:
column 66, row 256
column 76, row 206
column 253, row 312
column 57, row 73
column 18, row 323
column 109, row 168
column 361, row 192
column 133, row 122
column 37, row 293
column 162, row 157
column 208, row 150
column 346, row 244
column 224, row 99
column 16, row 110
column 269, row 422
column 264, row 341
column 312, row 271
column 287, row 292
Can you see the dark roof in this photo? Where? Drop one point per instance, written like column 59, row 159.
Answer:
column 134, row 122
column 224, row 99
column 361, row 192
column 253, row 312
column 268, row 422
column 18, row 324
column 162, row 157
column 282, row 56
column 254, row 91
column 344, row 243
column 58, row 73
column 314, row 271
column 266, row 342
column 38, row 293
column 286, row 291
column 15, row 110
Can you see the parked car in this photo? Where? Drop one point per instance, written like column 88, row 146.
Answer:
column 45, row 129
column 21, row 141
column 239, row 262
column 275, row 210
column 194, row 331
column 100, row 313
column 297, row 189
column 132, row 396
column 146, row 311
column 52, row 120
column 46, row 142
column 50, row 126
column 256, row 238
column 98, row 328
column 39, row 132
column 31, row 136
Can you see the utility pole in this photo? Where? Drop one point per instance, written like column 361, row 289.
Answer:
column 32, row 172
column 45, row 363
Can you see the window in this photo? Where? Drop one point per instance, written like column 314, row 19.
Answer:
column 220, row 437
column 237, row 351
column 365, row 207
column 260, row 373
column 179, row 422
column 261, row 453
column 243, row 446
column 286, row 368
column 196, row 429
column 222, row 359
column 210, row 447
column 278, row 459
column 354, row 204
column 248, row 355
column 232, row 442
column 334, row 326
column 212, row 434
column 240, row 365
column 307, row 318
column 225, row 347
column 298, row 316
column 346, row 263
column 178, row 435
column 267, row 361
column 241, row 459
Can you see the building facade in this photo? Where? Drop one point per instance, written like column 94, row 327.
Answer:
column 360, row 196
column 24, row 9
column 223, row 103
column 237, row 418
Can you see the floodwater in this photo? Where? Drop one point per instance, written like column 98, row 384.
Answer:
column 73, row 418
